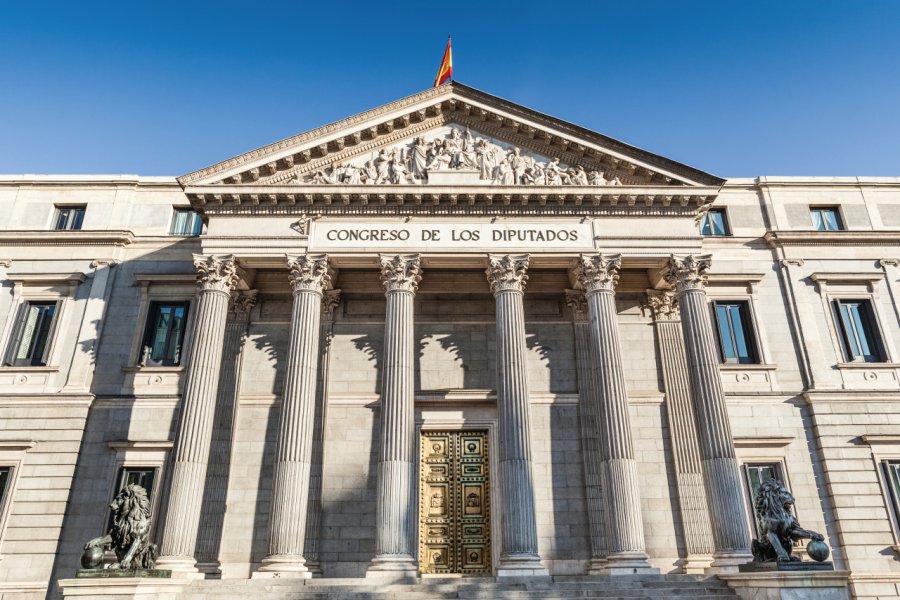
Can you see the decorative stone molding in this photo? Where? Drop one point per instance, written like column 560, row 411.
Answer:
column 792, row 262
column 689, row 272
column 888, row 262
column 217, row 272
column 241, row 304
column 577, row 303
column 663, row 305
column 507, row 272
column 597, row 272
column 401, row 272
column 330, row 301
column 309, row 272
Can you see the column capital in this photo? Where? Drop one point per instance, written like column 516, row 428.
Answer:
column 309, row 272
column 401, row 272
column 663, row 305
column 596, row 272
column 577, row 303
column 219, row 273
column 330, row 301
column 241, row 304
column 688, row 272
column 507, row 272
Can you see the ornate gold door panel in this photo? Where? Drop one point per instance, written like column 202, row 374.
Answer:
column 454, row 507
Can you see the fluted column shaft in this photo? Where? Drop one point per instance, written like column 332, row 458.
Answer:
column 216, row 277
column 395, row 523
column 588, row 405
column 682, row 431
column 309, row 276
column 624, row 525
column 720, row 468
column 507, row 276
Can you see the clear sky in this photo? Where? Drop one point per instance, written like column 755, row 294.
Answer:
column 736, row 88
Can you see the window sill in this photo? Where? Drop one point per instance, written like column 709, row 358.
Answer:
column 747, row 367
column 868, row 365
column 28, row 369
column 140, row 369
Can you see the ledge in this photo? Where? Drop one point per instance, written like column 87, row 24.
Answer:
column 747, row 367
column 16, row 445
column 831, row 238
column 171, row 278
column 869, row 278
column 141, row 369
column 24, row 369
column 735, row 277
column 141, row 444
column 868, row 365
column 81, row 237
column 33, row 278
column 880, row 439
column 768, row 442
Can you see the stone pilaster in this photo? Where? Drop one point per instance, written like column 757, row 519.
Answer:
column 507, row 276
column 720, row 469
column 209, row 537
column 395, row 524
column 330, row 302
column 682, row 430
column 625, row 530
column 309, row 275
column 216, row 277
column 588, row 404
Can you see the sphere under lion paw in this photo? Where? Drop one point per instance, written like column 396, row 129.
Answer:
column 92, row 557
column 817, row 550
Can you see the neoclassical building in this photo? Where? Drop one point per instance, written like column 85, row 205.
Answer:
column 450, row 335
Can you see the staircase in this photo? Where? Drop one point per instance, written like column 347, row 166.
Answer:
column 472, row 588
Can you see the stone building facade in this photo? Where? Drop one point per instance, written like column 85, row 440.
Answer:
column 448, row 335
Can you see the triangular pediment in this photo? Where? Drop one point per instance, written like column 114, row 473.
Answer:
column 450, row 135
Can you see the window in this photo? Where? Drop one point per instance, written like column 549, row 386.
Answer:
column 69, row 217
column 714, row 223
column 892, row 478
column 756, row 474
column 859, row 335
column 5, row 476
column 186, row 222
column 31, row 341
column 826, row 218
column 736, row 340
column 164, row 334
column 142, row 476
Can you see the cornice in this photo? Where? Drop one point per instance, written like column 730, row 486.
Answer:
column 782, row 238
column 66, row 238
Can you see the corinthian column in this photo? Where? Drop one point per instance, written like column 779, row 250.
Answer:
column 625, row 530
column 588, row 405
column 395, row 523
column 720, row 469
column 519, row 545
column 309, row 276
column 682, row 430
column 216, row 276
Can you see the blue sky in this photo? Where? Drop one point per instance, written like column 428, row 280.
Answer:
column 738, row 89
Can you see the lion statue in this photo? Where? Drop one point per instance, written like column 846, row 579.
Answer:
column 778, row 526
column 129, row 532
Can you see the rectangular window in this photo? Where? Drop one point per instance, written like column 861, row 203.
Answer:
column 164, row 334
column 5, row 476
column 142, row 476
column 714, row 223
column 756, row 474
column 31, row 340
column 69, row 217
column 892, row 479
column 826, row 218
column 736, row 340
column 186, row 222
column 859, row 335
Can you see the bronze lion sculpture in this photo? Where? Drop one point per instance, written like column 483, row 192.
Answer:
column 777, row 525
column 128, row 536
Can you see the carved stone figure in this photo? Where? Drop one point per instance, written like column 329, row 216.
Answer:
column 779, row 526
column 382, row 167
column 418, row 158
column 579, row 177
column 399, row 174
column 505, row 174
column 128, row 535
column 597, row 178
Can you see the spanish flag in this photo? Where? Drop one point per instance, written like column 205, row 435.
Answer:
column 445, row 72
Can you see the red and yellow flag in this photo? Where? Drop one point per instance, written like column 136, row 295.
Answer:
column 445, row 72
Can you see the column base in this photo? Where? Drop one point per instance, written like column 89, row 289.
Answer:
column 282, row 567
column 399, row 567
column 182, row 567
column 314, row 567
column 728, row 562
column 522, row 566
column 597, row 566
column 695, row 564
column 629, row 563
column 212, row 570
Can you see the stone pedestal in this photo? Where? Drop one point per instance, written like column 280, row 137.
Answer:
column 395, row 524
column 519, row 547
column 625, row 548
column 217, row 275
column 790, row 585
column 721, row 475
column 309, row 276
column 122, row 587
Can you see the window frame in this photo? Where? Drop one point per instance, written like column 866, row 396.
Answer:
column 169, row 288
column 839, row 217
column 726, row 224
column 781, row 475
column 119, row 484
column 149, row 327
column 14, row 343
column 176, row 210
column 12, row 455
column 57, row 214
column 892, row 492
column 143, row 454
column 870, row 329
column 751, row 338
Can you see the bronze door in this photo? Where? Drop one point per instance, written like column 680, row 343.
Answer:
column 454, row 506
